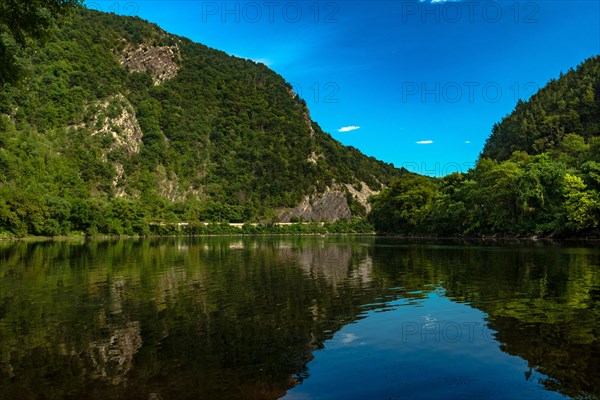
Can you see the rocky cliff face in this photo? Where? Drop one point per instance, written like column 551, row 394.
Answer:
column 328, row 206
column 331, row 205
column 361, row 194
column 160, row 61
column 115, row 118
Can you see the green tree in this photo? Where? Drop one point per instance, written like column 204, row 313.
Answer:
column 581, row 206
column 20, row 19
column 404, row 207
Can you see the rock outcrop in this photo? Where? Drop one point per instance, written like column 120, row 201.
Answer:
column 328, row 206
column 160, row 61
column 361, row 194
column 115, row 118
column 331, row 205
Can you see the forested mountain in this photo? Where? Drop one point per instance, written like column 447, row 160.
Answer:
column 117, row 124
column 570, row 104
column 539, row 173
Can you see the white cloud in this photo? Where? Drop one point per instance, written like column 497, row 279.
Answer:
column 467, row 141
column 425, row 142
column 348, row 128
column 348, row 338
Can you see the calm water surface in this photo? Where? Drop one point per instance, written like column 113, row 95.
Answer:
column 299, row 318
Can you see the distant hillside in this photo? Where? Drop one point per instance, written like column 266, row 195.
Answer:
column 118, row 124
column 538, row 175
column 569, row 104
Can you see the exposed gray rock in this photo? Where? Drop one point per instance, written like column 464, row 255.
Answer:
column 362, row 195
column 160, row 61
column 331, row 205
column 314, row 157
column 328, row 206
column 123, row 126
column 308, row 121
column 115, row 117
column 170, row 187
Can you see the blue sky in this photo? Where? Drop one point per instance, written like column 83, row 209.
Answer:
column 424, row 81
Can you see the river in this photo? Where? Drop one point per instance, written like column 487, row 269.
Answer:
column 298, row 317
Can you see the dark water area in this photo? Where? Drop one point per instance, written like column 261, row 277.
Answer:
column 299, row 318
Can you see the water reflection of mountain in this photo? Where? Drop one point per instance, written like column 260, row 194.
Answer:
column 200, row 318
column 240, row 318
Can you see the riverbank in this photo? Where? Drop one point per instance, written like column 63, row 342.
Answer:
column 412, row 239
column 356, row 227
column 33, row 239
column 494, row 238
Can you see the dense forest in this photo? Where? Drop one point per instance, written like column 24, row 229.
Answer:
column 539, row 173
column 114, row 126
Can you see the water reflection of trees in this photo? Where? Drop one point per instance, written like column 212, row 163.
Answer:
column 240, row 318
column 543, row 301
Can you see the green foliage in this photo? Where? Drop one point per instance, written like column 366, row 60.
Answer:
column 20, row 20
column 223, row 141
column 404, row 206
column 521, row 196
column 539, row 173
column 354, row 226
column 582, row 207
